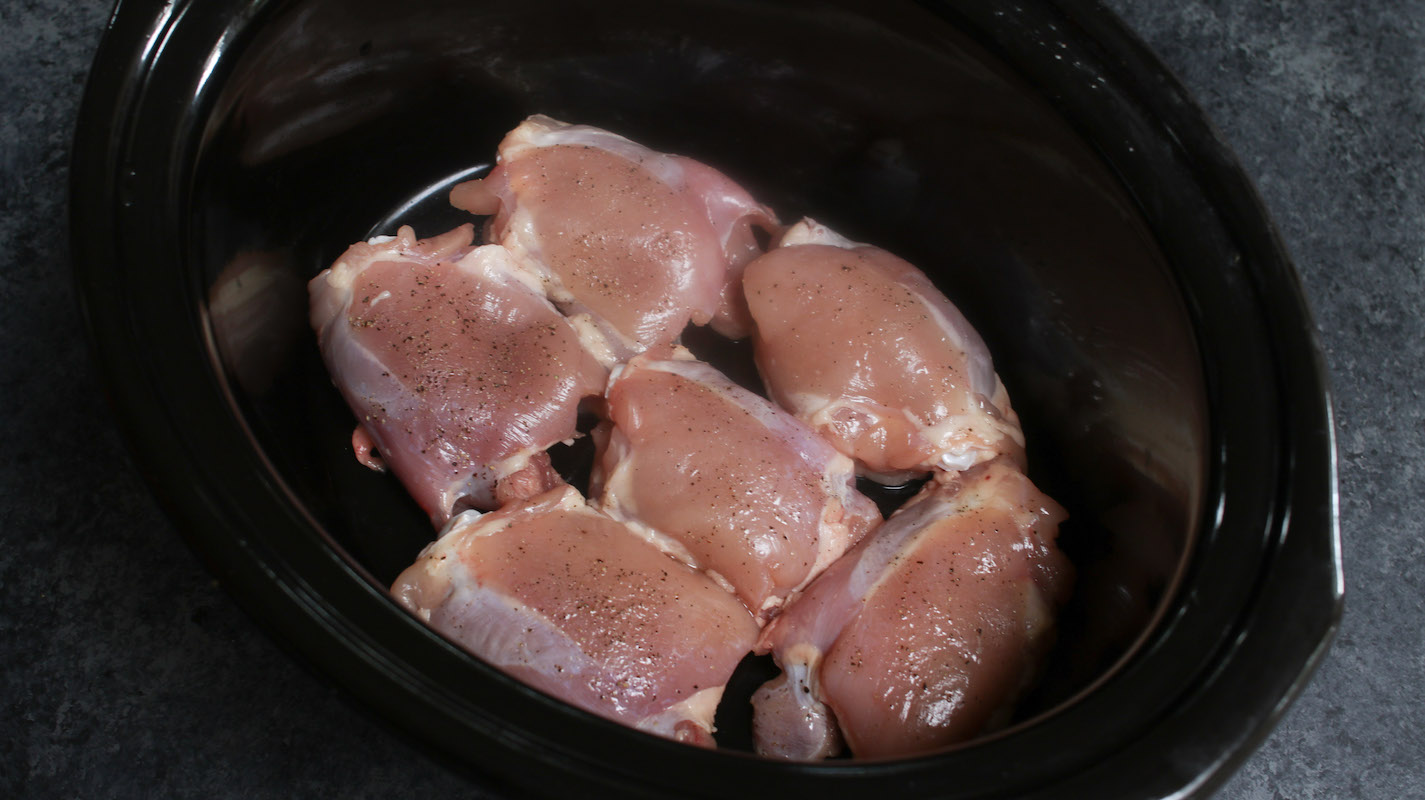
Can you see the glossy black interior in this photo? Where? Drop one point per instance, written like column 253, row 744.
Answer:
column 1035, row 162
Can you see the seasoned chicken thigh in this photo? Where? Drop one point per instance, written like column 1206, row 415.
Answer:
column 631, row 243
column 581, row 607
column 862, row 346
column 459, row 371
column 927, row 632
column 745, row 490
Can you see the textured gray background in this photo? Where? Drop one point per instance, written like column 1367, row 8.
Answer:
column 125, row 672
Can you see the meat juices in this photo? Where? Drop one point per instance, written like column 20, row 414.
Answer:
column 926, row 632
column 630, row 243
column 861, row 346
column 745, row 490
column 460, row 372
column 577, row 605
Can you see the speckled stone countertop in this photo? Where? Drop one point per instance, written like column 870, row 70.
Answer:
column 126, row 672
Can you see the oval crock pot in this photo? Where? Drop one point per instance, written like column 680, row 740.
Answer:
column 1034, row 159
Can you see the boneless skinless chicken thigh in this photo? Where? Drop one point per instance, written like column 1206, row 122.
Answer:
column 460, row 372
column 631, row 243
column 862, row 346
column 578, row 605
column 746, row 490
column 927, row 631
column 714, row 511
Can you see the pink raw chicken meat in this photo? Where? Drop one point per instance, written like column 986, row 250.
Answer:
column 862, row 346
column 745, row 490
column 579, row 606
column 459, row 370
column 927, row 632
column 631, row 243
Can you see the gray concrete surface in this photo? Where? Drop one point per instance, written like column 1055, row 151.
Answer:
column 126, row 672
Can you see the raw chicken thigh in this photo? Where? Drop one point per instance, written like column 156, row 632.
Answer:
column 927, row 632
column 719, row 522
column 631, row 243
column 459, row 370
column 862, row 346
column 577, row 605
column 745, row 490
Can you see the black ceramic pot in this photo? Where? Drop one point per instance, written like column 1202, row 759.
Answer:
column 1034, row 159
